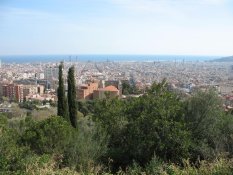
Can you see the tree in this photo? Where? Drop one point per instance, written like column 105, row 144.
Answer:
column 205, row 117
column 110, row 113
column 156, row 126
column 62, row 107
column 72, row 97
column 140, row 128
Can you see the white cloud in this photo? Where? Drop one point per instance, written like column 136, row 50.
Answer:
column 25, row 14
column 209, row 2
column 213, row 2
column 161, row 6
column 21, row 12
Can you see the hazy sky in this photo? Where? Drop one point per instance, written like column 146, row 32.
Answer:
column 199, row 27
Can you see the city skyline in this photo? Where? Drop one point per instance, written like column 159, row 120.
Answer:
column 201, row 27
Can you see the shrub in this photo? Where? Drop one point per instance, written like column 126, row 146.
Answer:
column 48, row 136
column 87, row 147
column 12, row 155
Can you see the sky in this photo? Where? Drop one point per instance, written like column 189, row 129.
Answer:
column 151, row 27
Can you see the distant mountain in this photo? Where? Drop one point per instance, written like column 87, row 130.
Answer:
column 223, row 59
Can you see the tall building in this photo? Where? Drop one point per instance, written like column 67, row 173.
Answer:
column 51, row 73
column 13, row 92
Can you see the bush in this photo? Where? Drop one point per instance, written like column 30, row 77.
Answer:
column 49, row 136
column 157, row 167
column 88, row 145
column 217, row 167
column 12, row 155
column 144, row 126
column 79, row 148
column 46, row 164
column 211, row 129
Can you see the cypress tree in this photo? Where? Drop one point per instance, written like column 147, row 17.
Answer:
column 72, row 97
column 62, row 106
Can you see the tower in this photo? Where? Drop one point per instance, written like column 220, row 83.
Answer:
column 120, row 87
column 102, row 84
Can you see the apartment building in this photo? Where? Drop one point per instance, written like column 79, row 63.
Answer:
column 33, row 89
column 13, row 92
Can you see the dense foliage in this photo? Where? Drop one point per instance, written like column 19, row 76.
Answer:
column 157, row 133
column 128, row 88
column 72, row 97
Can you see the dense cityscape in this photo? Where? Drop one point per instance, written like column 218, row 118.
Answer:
column 116, row 87
column 78, row 115
column 39, row 81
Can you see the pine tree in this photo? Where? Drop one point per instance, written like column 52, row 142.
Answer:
column 62, row 106
column 72, row 97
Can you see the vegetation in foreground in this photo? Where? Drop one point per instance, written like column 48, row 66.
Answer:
column 158, row 133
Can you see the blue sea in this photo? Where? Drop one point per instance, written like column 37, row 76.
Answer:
column 100, row 58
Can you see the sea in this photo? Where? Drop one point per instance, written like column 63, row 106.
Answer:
column 102, row 58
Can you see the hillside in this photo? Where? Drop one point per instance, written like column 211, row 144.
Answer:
column 157, row 133
column 223, row 59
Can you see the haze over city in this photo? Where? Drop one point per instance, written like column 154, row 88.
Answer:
column 200, row 27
